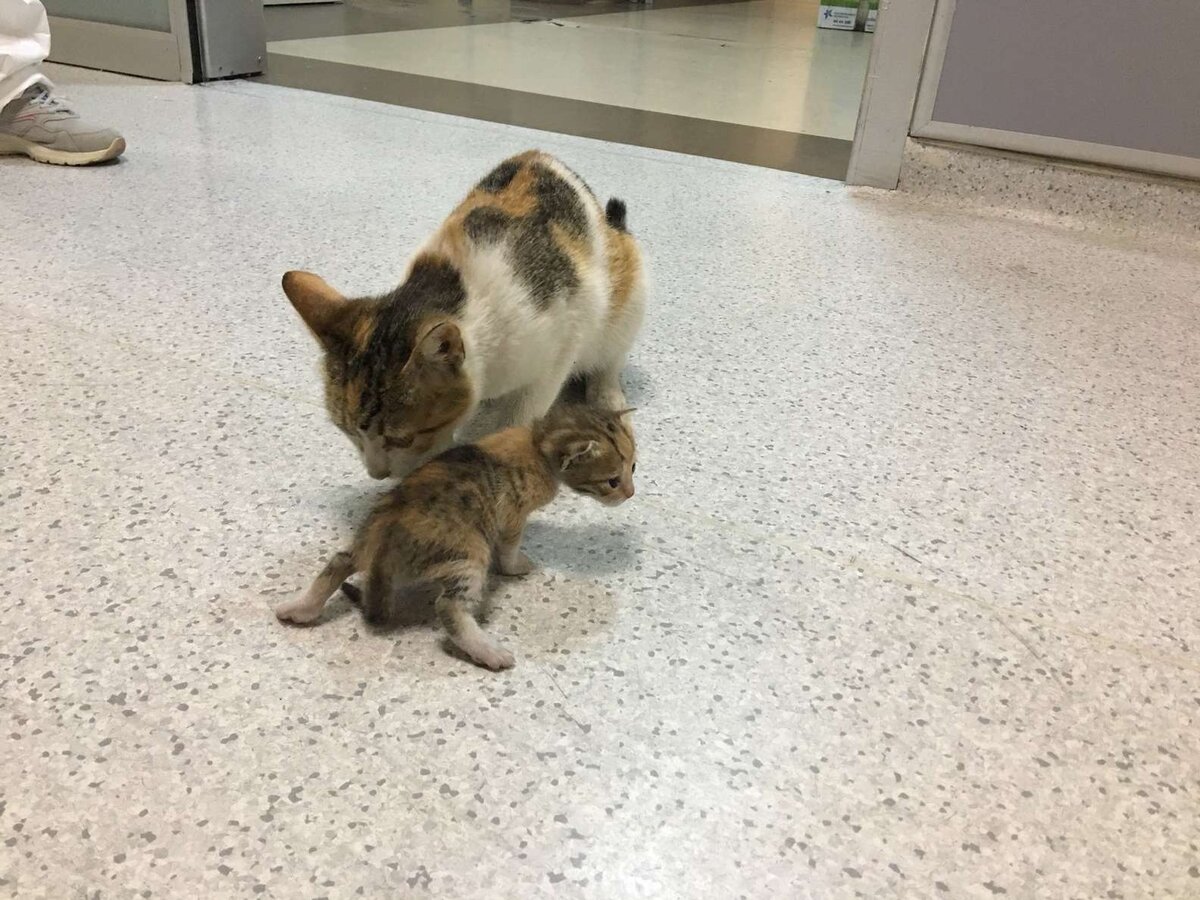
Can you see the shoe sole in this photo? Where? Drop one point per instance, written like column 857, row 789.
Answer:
column 11, row 145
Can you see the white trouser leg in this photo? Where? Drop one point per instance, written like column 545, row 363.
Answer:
column 24, row 46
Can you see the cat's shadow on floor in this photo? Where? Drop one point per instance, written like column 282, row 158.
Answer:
column 591, row 550
column 353, row 502
column 639, row 389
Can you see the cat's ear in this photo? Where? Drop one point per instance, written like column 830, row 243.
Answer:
column 321, row 307
column 443, row 343
column 622, row 413
column 577, row 452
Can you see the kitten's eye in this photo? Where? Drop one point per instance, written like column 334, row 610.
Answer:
column 634, row 469
column 614, row 482
column 397, row 443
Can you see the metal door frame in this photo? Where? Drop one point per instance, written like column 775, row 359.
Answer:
column 890, row 92
column 208, row 40
column 926, row 126
column 901, row 89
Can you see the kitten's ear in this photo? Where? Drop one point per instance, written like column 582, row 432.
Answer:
column 443, row 343
column 321, row 307
column 578, row 451
column 622, row 413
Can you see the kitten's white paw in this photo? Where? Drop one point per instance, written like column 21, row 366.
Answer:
column 298, row 610
column 519, row 565
column 491, row 656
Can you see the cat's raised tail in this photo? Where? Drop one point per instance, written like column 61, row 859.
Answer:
column 614, row 214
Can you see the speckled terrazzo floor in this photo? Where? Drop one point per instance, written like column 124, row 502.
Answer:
column 905, row 606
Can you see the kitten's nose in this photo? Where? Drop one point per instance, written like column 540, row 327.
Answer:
column 378, row 472
column 629, row 492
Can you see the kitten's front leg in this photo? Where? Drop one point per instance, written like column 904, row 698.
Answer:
column 309, row 605
column 510, row 558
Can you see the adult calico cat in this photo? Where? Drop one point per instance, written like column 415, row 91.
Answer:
column 527, row 284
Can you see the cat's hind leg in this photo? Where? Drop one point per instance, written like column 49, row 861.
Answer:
column 603, row 389
column 309, row 605
column 460, row 599
column 602, row 370
column 602, row 383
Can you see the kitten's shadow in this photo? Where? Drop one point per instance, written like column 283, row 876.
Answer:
column 595, row 549
column 352, row 502
column 338, row 607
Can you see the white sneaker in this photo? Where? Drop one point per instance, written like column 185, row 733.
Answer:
column 44, row 127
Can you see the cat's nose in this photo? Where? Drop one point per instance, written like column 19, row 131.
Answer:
column 629, row 491
column 378, row 472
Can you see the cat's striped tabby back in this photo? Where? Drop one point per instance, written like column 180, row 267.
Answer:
column 527, row 283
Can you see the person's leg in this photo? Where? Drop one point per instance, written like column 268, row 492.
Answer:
column 34, row 122
column 24, row 46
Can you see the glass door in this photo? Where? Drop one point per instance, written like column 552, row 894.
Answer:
column 171, row 40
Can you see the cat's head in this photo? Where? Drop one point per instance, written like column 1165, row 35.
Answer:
column 395, row 383
column 592, row 450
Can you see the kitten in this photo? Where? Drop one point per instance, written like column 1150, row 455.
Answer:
column 527, row 283
column 435, row 536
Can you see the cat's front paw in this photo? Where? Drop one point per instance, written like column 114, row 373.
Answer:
column 516, row 565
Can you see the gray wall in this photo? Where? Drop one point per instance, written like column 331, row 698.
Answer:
column 1119, row 72
column 152, row 14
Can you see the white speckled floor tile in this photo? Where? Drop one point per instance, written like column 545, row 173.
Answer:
column 1150, row 209
column 904, row 606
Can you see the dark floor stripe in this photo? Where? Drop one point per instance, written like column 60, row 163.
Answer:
column 805, row 153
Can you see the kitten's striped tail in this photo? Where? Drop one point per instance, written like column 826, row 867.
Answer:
column 385, row 604
column 352, row 592
column 614, row 214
